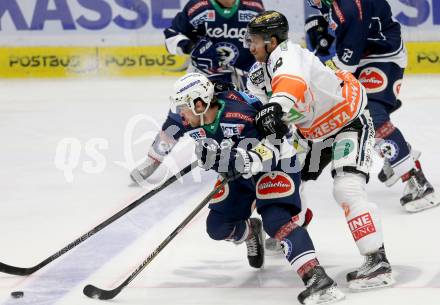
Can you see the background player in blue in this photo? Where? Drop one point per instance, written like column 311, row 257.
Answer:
column 229, row 143
column 212, row 31
column 369, row 44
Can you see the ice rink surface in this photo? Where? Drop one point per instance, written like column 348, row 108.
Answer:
column 66, row 147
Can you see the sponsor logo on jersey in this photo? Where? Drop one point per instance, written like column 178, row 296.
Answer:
column 225, row 32
column 222, row 194
column 246, row 16
column 206, row 16
column 264, row 152
column 257, row 77
column 197, row 134
column 275, row 184
column 197, row 6
column 293, row 115
column 327, row 126
column 373, row 79
column 361, row 226
column 235, row 97
column 230, row 130
column 396, row 87
column 238, row 115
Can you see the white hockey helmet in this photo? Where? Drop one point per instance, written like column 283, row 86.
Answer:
column 190, row 88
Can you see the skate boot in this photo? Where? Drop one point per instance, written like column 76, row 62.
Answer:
column 320, row 288
column 375, row 272
column 274, row 246
column 254, row 244
column 418, row 194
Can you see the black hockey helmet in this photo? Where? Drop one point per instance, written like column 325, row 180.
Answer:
column 269, row 24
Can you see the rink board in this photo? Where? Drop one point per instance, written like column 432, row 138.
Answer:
column 47, row 62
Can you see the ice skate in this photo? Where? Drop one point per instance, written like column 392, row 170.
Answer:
column 320, row 288
column 255, row 247
column 375, row 272
column 419, row 194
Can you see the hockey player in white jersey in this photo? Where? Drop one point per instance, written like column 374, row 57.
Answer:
column 328, row 110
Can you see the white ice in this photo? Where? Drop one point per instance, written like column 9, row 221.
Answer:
column 92, row 125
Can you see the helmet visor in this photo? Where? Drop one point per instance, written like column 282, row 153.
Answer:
column 255, row 40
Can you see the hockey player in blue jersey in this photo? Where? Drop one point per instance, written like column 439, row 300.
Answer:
column 369, row 44
column 212, row 32
column 257, row 170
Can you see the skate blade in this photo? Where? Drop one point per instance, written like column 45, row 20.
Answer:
column 380, row 281
column 327, row 296
column 427, row 202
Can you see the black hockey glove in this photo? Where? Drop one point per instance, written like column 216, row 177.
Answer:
column 230, row 163
column 269, row 121
column 186, row 46
column 316, row 28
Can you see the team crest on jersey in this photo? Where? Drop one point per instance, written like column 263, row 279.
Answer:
column 389, row 149
column 230, row 130
column 373, row 79
column 222, row 194
column 275, row 184
column 227, row 53
column 197, row 134
column 206, row 16
column 396, row 87
column 246, row 15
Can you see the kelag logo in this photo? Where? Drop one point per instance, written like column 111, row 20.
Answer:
column 424, row 9
column 71, row 17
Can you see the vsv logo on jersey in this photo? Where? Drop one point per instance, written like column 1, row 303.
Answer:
column 373, row 79
column 361, row 226
column 225, row 32
column 206, row 16
column 230, row 130
column 246, row 16
column 197, row 134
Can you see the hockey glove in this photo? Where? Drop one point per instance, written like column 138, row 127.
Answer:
column 145, row 170
column 204, row 57
column 320, row 40
column 269, row 121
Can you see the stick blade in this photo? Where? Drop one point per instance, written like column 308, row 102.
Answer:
column 15, row 270
column 94, row 292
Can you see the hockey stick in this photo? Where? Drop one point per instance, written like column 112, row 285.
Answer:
column 102, row 294
column 26, row 271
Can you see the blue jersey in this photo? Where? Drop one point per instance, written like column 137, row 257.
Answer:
column 225, row 27
column 365, row 32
